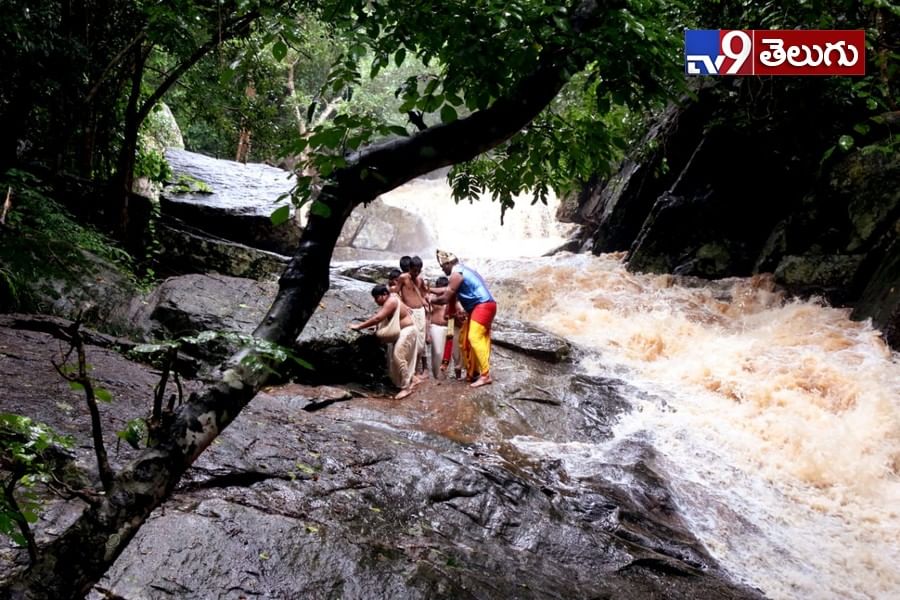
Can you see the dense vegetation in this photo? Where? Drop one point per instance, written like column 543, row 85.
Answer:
column 360, row 96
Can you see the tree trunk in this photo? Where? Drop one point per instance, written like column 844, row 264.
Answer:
column 243, row 146
column 70, row 565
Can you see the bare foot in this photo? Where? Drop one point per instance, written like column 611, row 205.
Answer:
column 403, row 394
column 483, row 380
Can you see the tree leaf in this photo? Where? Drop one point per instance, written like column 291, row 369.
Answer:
column 75, row 386
column 279, row 50
column 103, row 395
column 320, row 209
column 329, row 138
column 400, row 56
column 448, row 114
column 280, row 215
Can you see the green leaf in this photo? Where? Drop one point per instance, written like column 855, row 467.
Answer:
column 305, row 364
column 398, row 130
column 845, row 142
column 448, row 114
column 134, row 432
column 329, row 138
column 400, row 56
column 75, row 386
column 281, row 214
column 103, row 395
column 320, row 209
column 279, row 50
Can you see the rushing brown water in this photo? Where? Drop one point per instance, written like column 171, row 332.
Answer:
column 776, row 421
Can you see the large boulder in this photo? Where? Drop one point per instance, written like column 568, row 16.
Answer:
column 231, row 200
column 316, row 492
column 187, row 249
column 880, row 300
column 376, row 231
column 842, row 234
column 615, row 208
column 234, row 201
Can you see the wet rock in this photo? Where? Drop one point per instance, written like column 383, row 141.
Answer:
column 529, row 340
column 385, row 229
column 373, row 498
column 32, row 387
column 880, row 300
column 232, row 200
column 189, row 304
column 186, row 249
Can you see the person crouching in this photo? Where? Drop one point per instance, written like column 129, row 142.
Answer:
column 403, row 352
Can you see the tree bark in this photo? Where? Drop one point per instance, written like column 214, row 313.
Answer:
column 71, row 564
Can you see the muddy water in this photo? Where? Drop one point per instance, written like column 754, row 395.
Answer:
column 777, row 422
column 780, row 429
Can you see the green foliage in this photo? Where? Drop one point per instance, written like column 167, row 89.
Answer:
column 261, row 352
column 45, row 245
column 26, row 455
column 134, row 433
column 465, row 56
column 847, row 111
column 152, row 164
column 188, row 184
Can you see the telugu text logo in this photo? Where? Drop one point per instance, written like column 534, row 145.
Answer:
column 774, row 52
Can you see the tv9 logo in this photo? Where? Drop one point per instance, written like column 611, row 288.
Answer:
column 774, row 52
column 718, row 52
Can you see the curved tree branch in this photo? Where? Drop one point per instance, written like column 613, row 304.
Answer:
column 94, row 541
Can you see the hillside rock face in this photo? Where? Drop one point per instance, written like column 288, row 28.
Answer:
column 708, row 199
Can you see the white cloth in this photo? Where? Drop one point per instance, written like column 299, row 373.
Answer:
column 418, row 315
column 402, row 357
column 438, row 338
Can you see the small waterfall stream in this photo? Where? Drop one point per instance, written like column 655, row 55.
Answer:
column 776, row 422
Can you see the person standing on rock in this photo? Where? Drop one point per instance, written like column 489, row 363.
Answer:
column 402, row 353
column 412, row 291
column 475, row 335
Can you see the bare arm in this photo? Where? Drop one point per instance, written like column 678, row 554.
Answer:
column 447, row 295
column 386, row 310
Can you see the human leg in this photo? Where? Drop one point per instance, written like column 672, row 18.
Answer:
column 404, row 358
column 438, row 339
column 418, row 315
column 480, row 340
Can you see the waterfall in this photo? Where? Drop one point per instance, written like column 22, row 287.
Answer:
column 775, row 421
column 473, row 229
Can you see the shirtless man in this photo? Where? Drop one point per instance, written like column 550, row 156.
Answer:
column 402, row 360
column 412, row 291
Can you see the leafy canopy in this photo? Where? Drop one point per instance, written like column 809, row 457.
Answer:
column 479, row 51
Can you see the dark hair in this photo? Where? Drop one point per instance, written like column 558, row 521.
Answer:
column 441, row 282
column 404, row 263
column 416, row 262
column 379, row 290
column 393, row 274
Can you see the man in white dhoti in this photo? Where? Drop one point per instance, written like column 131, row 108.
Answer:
column 403, row 351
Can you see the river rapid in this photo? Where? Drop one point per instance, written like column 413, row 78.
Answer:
column 776, row 421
